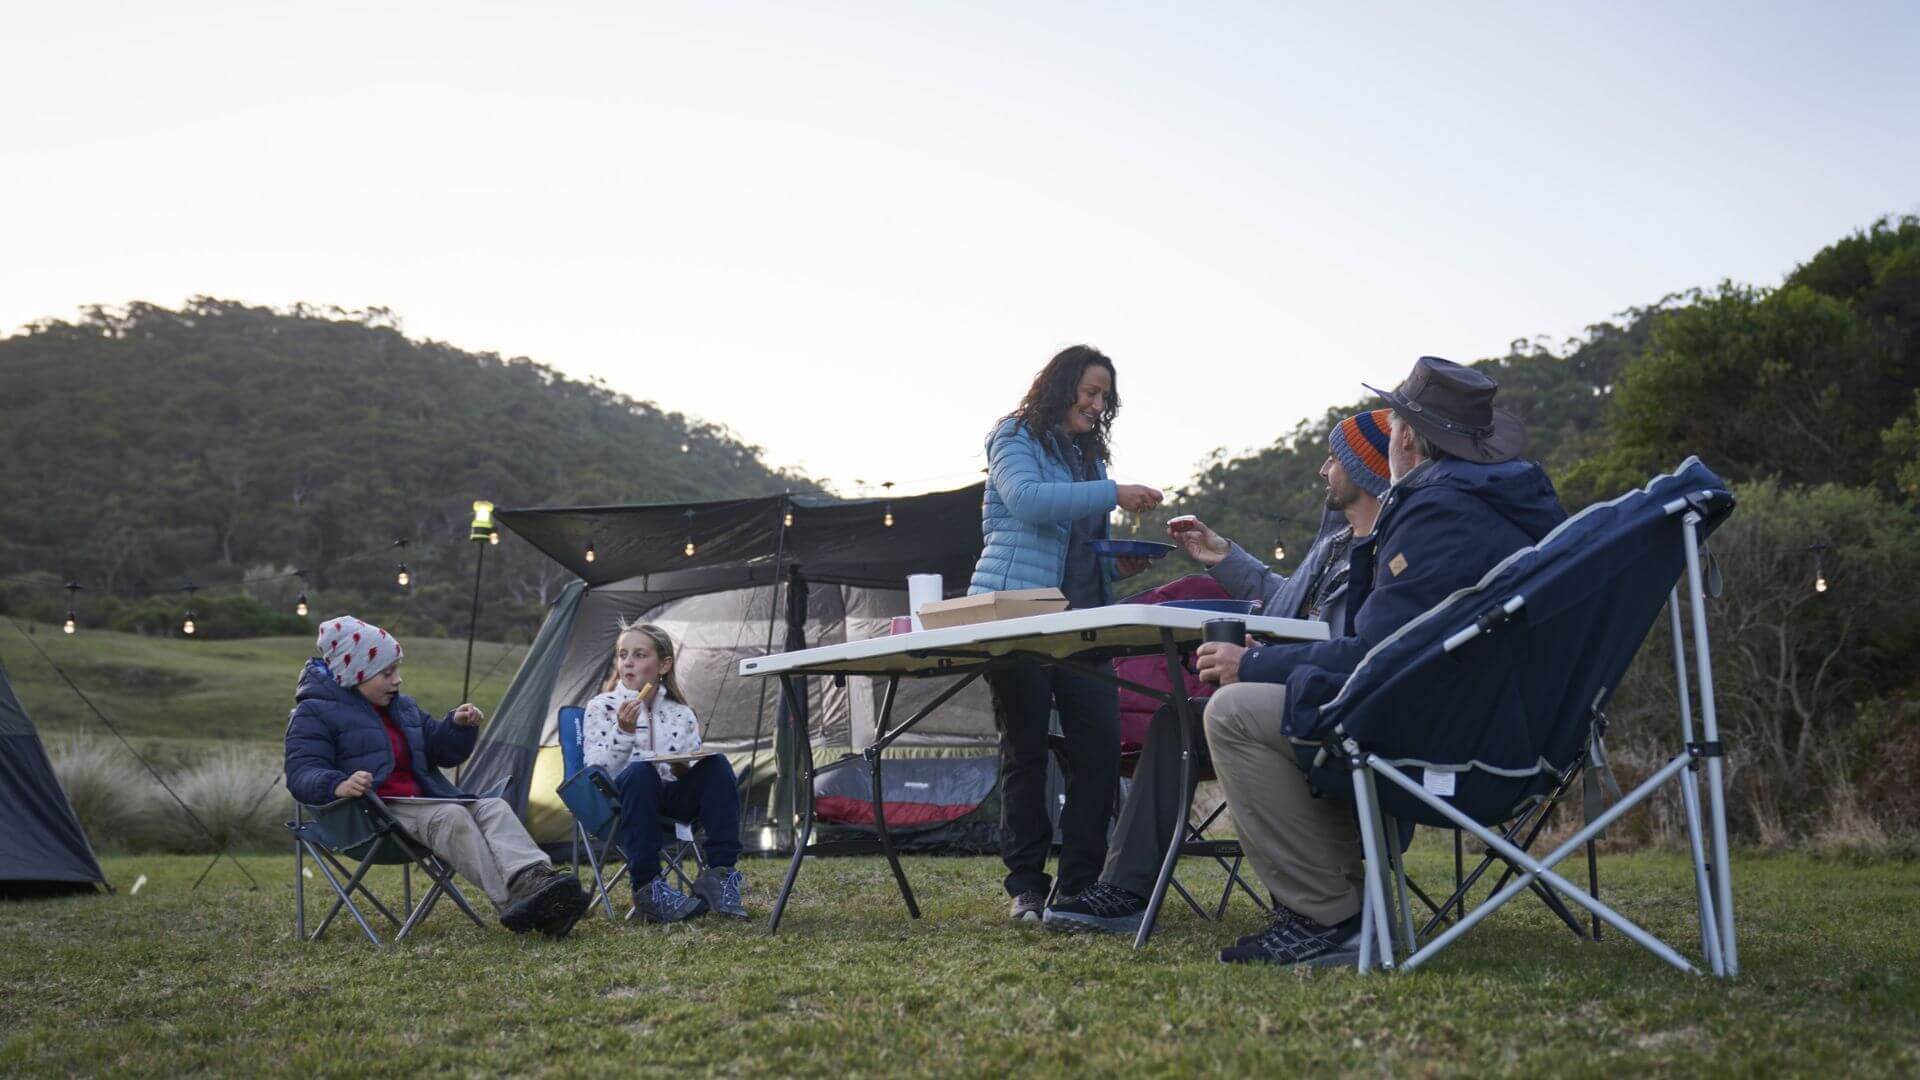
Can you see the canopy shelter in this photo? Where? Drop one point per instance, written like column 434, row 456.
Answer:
column 43, row 850
column 764, row 575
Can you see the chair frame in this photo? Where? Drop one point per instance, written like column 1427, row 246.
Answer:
column 602, row 857
column 1387, row 936
column 387, row 838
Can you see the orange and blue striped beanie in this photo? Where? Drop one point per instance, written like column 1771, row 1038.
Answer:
column 1360, row 446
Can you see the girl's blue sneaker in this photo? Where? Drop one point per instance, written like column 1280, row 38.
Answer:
column 660, row 902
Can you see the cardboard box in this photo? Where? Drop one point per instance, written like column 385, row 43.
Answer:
column 991, row 607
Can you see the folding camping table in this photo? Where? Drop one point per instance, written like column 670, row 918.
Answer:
column 1080, row 641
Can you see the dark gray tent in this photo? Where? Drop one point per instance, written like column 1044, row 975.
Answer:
column 43, row 850
column 765, row 575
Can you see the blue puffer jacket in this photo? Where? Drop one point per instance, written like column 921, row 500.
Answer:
column 1028, row 513
column 1440, row 529
column 333, row 733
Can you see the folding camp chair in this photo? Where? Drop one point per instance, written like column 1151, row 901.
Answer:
column 1550, row 631
column 364, row 830
column 595, row 803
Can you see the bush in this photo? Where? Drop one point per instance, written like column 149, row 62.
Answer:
column 237, row 795
column 108, row 789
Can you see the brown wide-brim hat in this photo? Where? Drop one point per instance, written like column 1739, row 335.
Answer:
column 1453, row 407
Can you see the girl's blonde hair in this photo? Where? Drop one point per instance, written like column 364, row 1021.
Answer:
column 662, row 648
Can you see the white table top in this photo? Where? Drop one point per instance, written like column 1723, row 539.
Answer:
column 1130, row 628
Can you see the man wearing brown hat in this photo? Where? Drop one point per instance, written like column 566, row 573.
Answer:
column 1461, row 501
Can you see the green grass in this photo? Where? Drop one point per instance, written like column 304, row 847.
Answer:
column 169, row 982
column 160, row 690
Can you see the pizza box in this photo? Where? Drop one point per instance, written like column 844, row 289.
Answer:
column 991, row 607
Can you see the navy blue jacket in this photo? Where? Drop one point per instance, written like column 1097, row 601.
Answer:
column 1440, row 529
column 333, row 733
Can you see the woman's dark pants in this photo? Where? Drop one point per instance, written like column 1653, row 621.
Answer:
column 1090, row 722
column 706, row 793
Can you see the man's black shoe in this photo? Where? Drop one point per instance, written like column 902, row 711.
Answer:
column 1101, row 908
column 1295, row 940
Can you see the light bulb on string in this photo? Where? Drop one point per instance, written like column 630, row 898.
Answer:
column 689, row 548
column 300, row 606
column 888, row 519
column 403, row 578
column 186, row 625
column 1819, row 565
column 684, row 447
column 589, row 552
column 72, row 624
column 494, row 538
column 787, row 520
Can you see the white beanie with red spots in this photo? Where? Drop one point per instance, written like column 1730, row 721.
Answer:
column 356, row 651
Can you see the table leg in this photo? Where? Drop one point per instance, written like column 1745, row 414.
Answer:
column 879, row 799
column 803, row 751
column 1185, row 714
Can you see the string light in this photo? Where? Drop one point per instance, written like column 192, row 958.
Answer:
column 786, row 519
column 589, row 552
column 689, row 534
column 1819, row 565
column 186, row 626
column 684, row 447
column 300, row 604
column 482, row 527
column 73, row 621
column 1279, row 545
column 493, row 537
column 888, row 520
column 401, row 576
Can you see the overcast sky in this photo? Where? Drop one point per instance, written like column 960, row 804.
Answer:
column 852, row 232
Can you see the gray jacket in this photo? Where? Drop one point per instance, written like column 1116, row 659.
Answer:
column 1286, row 597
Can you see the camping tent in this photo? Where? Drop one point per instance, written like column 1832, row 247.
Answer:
column 43, row 850
column 736, row 579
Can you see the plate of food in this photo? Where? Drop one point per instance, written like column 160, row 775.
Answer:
column 1130, row 549
column 1224, row 607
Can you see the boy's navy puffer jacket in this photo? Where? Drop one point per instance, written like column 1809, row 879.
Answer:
column 1027, row 515
column 333, row 733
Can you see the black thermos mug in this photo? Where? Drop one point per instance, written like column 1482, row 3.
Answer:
column 1231, row 631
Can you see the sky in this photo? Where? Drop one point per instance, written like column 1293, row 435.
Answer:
column 851, row 233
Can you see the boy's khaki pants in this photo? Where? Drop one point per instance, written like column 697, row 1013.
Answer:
column 483, row 841
column 1306, row 850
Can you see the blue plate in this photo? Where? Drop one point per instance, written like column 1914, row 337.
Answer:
column 1132, row 549
column 1224, row 607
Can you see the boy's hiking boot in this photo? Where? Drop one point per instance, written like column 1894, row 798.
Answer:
column 1101, row 908
column 544, row 899
column 719, row 886
column 660, row 902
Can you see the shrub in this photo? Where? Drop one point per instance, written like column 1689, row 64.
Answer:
column 237, row 795
column 109, row 791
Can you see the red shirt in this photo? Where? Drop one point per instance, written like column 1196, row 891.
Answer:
column 401, row 782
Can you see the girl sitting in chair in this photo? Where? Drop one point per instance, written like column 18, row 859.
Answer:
column 641, row 731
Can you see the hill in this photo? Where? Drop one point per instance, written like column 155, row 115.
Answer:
column 222, row 441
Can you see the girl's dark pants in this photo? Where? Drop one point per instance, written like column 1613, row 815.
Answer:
column 706, row 793
column 1090, row 722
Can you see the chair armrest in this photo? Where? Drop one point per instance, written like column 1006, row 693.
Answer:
column 592, row 797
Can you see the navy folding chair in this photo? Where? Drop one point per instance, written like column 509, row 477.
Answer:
column 363, row 830
column 1550, row 631
column 589, row 793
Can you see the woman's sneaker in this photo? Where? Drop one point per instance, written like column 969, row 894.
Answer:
column 719, row 886
column 1101, row 907
column 1028, row 906
column 660, row 902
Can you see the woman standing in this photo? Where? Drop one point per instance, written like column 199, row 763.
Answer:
column 1047, row 498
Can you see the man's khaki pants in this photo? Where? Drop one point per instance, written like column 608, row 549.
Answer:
column 483, row 841
column 1306, row 850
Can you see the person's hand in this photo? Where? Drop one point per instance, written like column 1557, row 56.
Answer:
column 1206, row 547
column 354, row 786
column 468, row 715
column 1219, row 662
column 628, row 717
column 1128, row 565
column 1137, row 497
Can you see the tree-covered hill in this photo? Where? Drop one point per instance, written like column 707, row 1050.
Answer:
column 145, row 446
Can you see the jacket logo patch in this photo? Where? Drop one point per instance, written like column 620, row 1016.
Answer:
column 1397, row 564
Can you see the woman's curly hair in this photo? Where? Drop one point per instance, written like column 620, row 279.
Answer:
column 1054, row 392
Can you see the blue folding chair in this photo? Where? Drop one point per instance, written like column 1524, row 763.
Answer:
column 1550, row 630
column 589, row 793
column 364, row 830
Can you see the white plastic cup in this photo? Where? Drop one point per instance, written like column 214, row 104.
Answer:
column 921, row 589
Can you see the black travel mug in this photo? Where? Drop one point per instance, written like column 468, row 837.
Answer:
column 1231, row 631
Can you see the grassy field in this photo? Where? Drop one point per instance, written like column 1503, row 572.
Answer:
column 160, row 690
column 168, row 982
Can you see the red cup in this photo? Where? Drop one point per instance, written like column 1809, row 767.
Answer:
column 903, row 624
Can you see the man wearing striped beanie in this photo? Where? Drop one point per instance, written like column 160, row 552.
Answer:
column 1357, row 477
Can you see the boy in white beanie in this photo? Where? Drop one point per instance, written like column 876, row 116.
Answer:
column 352, row 732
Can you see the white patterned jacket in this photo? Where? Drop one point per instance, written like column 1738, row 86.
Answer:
column 668, row 728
